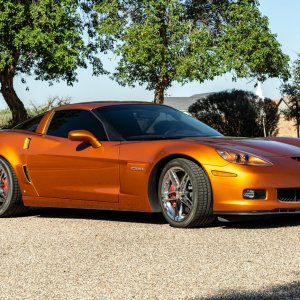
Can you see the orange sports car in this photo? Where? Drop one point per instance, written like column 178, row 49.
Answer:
column 144, row 157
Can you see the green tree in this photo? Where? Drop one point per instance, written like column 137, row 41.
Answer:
column 162, row 41
column 43, row 38
column 267, row 116
column 292, row 91
column 237, row 113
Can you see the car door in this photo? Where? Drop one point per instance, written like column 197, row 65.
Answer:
column 61, row 168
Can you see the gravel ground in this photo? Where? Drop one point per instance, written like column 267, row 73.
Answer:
column 75, row 254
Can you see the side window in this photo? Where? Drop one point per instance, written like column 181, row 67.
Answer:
column 31, row 124
column 64, row 121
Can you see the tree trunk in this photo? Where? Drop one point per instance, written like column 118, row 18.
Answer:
column 297, row 118
column 16, row 106
column 159, row 96
column 160, row 88
column 163, row 78
column 19, row 113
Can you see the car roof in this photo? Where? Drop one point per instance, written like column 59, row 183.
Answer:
column 96, row 104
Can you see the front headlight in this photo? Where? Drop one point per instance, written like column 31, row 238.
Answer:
column 242, row 158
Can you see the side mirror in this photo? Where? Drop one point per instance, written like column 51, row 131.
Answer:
column 84, row 136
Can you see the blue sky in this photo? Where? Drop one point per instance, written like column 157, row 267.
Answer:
column 284, row 17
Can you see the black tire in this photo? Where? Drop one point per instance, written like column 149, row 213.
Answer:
column 11, row 201
column 200, row 213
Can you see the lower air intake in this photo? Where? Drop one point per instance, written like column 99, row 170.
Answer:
column 288, row 195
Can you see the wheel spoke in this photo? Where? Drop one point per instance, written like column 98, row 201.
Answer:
column 2, row 196
column 174, row 179
column 169, row 210
column 184, row 182
column 179, row 214
column 187, row 201
column 176, row 210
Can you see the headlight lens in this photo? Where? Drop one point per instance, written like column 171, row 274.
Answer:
column 242, row 158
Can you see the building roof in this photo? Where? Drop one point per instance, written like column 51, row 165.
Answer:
column 282, row 103
column 96, row 104
column 183, row 103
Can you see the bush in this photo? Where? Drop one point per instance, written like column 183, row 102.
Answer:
column 237, row 113
column 5, row 117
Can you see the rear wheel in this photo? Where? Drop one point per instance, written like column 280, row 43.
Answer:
column 185, row 194
column 10, row 195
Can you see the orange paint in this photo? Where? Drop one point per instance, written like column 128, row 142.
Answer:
column 66, row 173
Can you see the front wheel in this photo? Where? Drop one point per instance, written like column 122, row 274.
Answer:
column 185, row 194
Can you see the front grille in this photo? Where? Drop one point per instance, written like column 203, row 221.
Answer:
column 288, row 195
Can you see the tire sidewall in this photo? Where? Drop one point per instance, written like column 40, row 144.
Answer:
column 8, row 171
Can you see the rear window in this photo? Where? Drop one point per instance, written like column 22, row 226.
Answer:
column 31, row 124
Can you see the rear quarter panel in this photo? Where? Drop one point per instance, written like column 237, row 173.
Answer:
column 12, row 150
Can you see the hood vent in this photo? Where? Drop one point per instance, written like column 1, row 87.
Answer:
column 297, row 158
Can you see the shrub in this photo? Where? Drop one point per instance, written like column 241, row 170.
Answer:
column 237, row 113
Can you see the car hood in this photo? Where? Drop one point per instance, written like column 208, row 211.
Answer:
column 265, row 147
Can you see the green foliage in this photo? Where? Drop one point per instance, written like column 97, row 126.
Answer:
column 292, row 91
column 48, row 39
column 161, row 41
column 237, row 113
column 46, row 36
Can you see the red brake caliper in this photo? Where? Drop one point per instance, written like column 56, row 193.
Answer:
column 4, row 185
column 173, row 195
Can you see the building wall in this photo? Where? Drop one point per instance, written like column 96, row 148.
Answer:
column 286, row 128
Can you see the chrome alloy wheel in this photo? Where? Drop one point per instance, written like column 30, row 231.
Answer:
column 177, row 194
column 3, row 186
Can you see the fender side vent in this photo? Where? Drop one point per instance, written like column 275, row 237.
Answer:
column 25, row 170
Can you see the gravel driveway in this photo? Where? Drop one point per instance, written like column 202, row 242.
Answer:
column 76, row 254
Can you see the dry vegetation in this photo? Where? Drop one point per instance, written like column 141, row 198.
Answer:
column 33, row 109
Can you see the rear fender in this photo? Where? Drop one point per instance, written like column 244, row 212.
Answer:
column 12, row 150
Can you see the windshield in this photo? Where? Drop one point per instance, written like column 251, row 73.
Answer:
column 134, row 122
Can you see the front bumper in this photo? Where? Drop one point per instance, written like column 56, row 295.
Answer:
column 276, row 212
column 228, row 191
